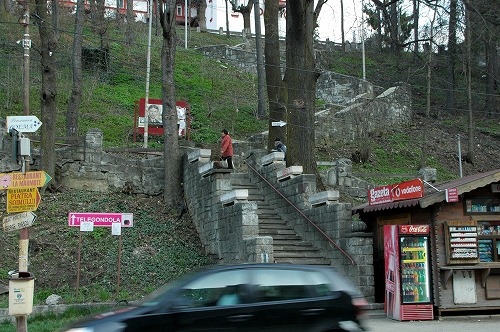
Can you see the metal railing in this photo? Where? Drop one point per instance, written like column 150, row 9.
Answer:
column 328, row 238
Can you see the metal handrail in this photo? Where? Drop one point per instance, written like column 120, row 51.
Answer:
column 302, row 214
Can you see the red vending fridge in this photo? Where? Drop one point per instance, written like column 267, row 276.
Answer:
column 407, row 272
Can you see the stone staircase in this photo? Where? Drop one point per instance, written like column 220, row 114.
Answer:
column 288, row 247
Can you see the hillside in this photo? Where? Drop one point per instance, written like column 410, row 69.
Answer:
column 161, row 246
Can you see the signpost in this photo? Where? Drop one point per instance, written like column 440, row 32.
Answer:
column 29, row 179
column 278, row 123
column 23, row 199
column 100, row 219
column 88, row 220
column 24, row 123
column 18, row 221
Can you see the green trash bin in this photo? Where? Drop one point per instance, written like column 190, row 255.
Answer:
column 21, row 288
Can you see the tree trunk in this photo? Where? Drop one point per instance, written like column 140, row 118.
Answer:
column 76, row 91
column 468, row 78
column 130, row 31
column 101, row 23
column 275, row 87
column 379, row 30
column 202, row 19
column 342, row 31
column 423, row 151
column 245, row 11
column 172, row 194
column 301, row 83
column 48, row 94
column 394, row 27
column 227, row 19
column 55, row 17
column 416, row 10
column 117, row 13
column 452, row 53
column 492, row 99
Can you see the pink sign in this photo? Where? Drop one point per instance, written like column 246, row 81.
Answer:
column 100, row 219
column 452, row 195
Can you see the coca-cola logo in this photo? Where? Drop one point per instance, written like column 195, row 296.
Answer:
column 414, row 229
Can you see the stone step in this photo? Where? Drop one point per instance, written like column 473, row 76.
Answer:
column 274, row 232
column 288, row 238
column 296, row 241
column 266, row 211
column 298, row 254
column 271, row 221
column 304, row 261
column 291, row 247
column 275, row 226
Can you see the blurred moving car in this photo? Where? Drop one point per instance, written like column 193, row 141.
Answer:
column 248, row 297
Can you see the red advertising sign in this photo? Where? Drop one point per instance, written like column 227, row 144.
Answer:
column 380, row 195
column 414, row 229
column 396, row 192
column 408, row 190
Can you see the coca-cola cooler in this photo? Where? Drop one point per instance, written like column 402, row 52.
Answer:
column 407, row 272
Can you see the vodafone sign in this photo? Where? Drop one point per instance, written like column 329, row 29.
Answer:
column 396, row 192
column 408, row 190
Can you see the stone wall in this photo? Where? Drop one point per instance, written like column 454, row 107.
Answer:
column 228, row 229
column 86, row 166
column 392, row 108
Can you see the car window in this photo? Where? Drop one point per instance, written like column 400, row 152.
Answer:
column 319, row 283
column 223, row 288
column 279, row 285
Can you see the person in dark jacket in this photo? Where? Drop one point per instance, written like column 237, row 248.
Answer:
column 280, row 147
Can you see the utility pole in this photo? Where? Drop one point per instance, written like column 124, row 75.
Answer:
column 261, row 111
column 363, row 39
column 148, row 70
column 21, row 321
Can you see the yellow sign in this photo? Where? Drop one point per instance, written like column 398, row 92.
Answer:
column 27, row 180
column 22, row 199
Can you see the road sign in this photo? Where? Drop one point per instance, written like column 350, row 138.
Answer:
column 23, row 123
column 278, row 123
column 29, row 179
column 22, row 199
column 100, row 219
column 18, row 221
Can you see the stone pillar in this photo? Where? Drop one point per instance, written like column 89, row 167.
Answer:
column 93, row 146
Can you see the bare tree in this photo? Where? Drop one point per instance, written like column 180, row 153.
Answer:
column 49, row 88
column 423, row 151
column 276, row 89
column 76, row 91
column 452, row 54
column 202, row 19
column 342, row 31
column 468, row 78
column 301, row 76
column 416, row 15
column 129, row 29
column 172, row 186
column 245, row 11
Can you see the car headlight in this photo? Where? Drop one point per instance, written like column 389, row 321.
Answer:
column 81, row 329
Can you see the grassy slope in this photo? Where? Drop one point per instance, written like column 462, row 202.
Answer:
column 159, row 247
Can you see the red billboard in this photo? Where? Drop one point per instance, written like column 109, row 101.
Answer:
column 396, row 192
column 154, row 112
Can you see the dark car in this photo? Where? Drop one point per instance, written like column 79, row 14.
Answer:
column 249, row 297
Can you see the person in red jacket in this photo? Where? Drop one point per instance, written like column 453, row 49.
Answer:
column 227, row 148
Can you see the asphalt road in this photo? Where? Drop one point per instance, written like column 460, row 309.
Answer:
column 446, row 324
